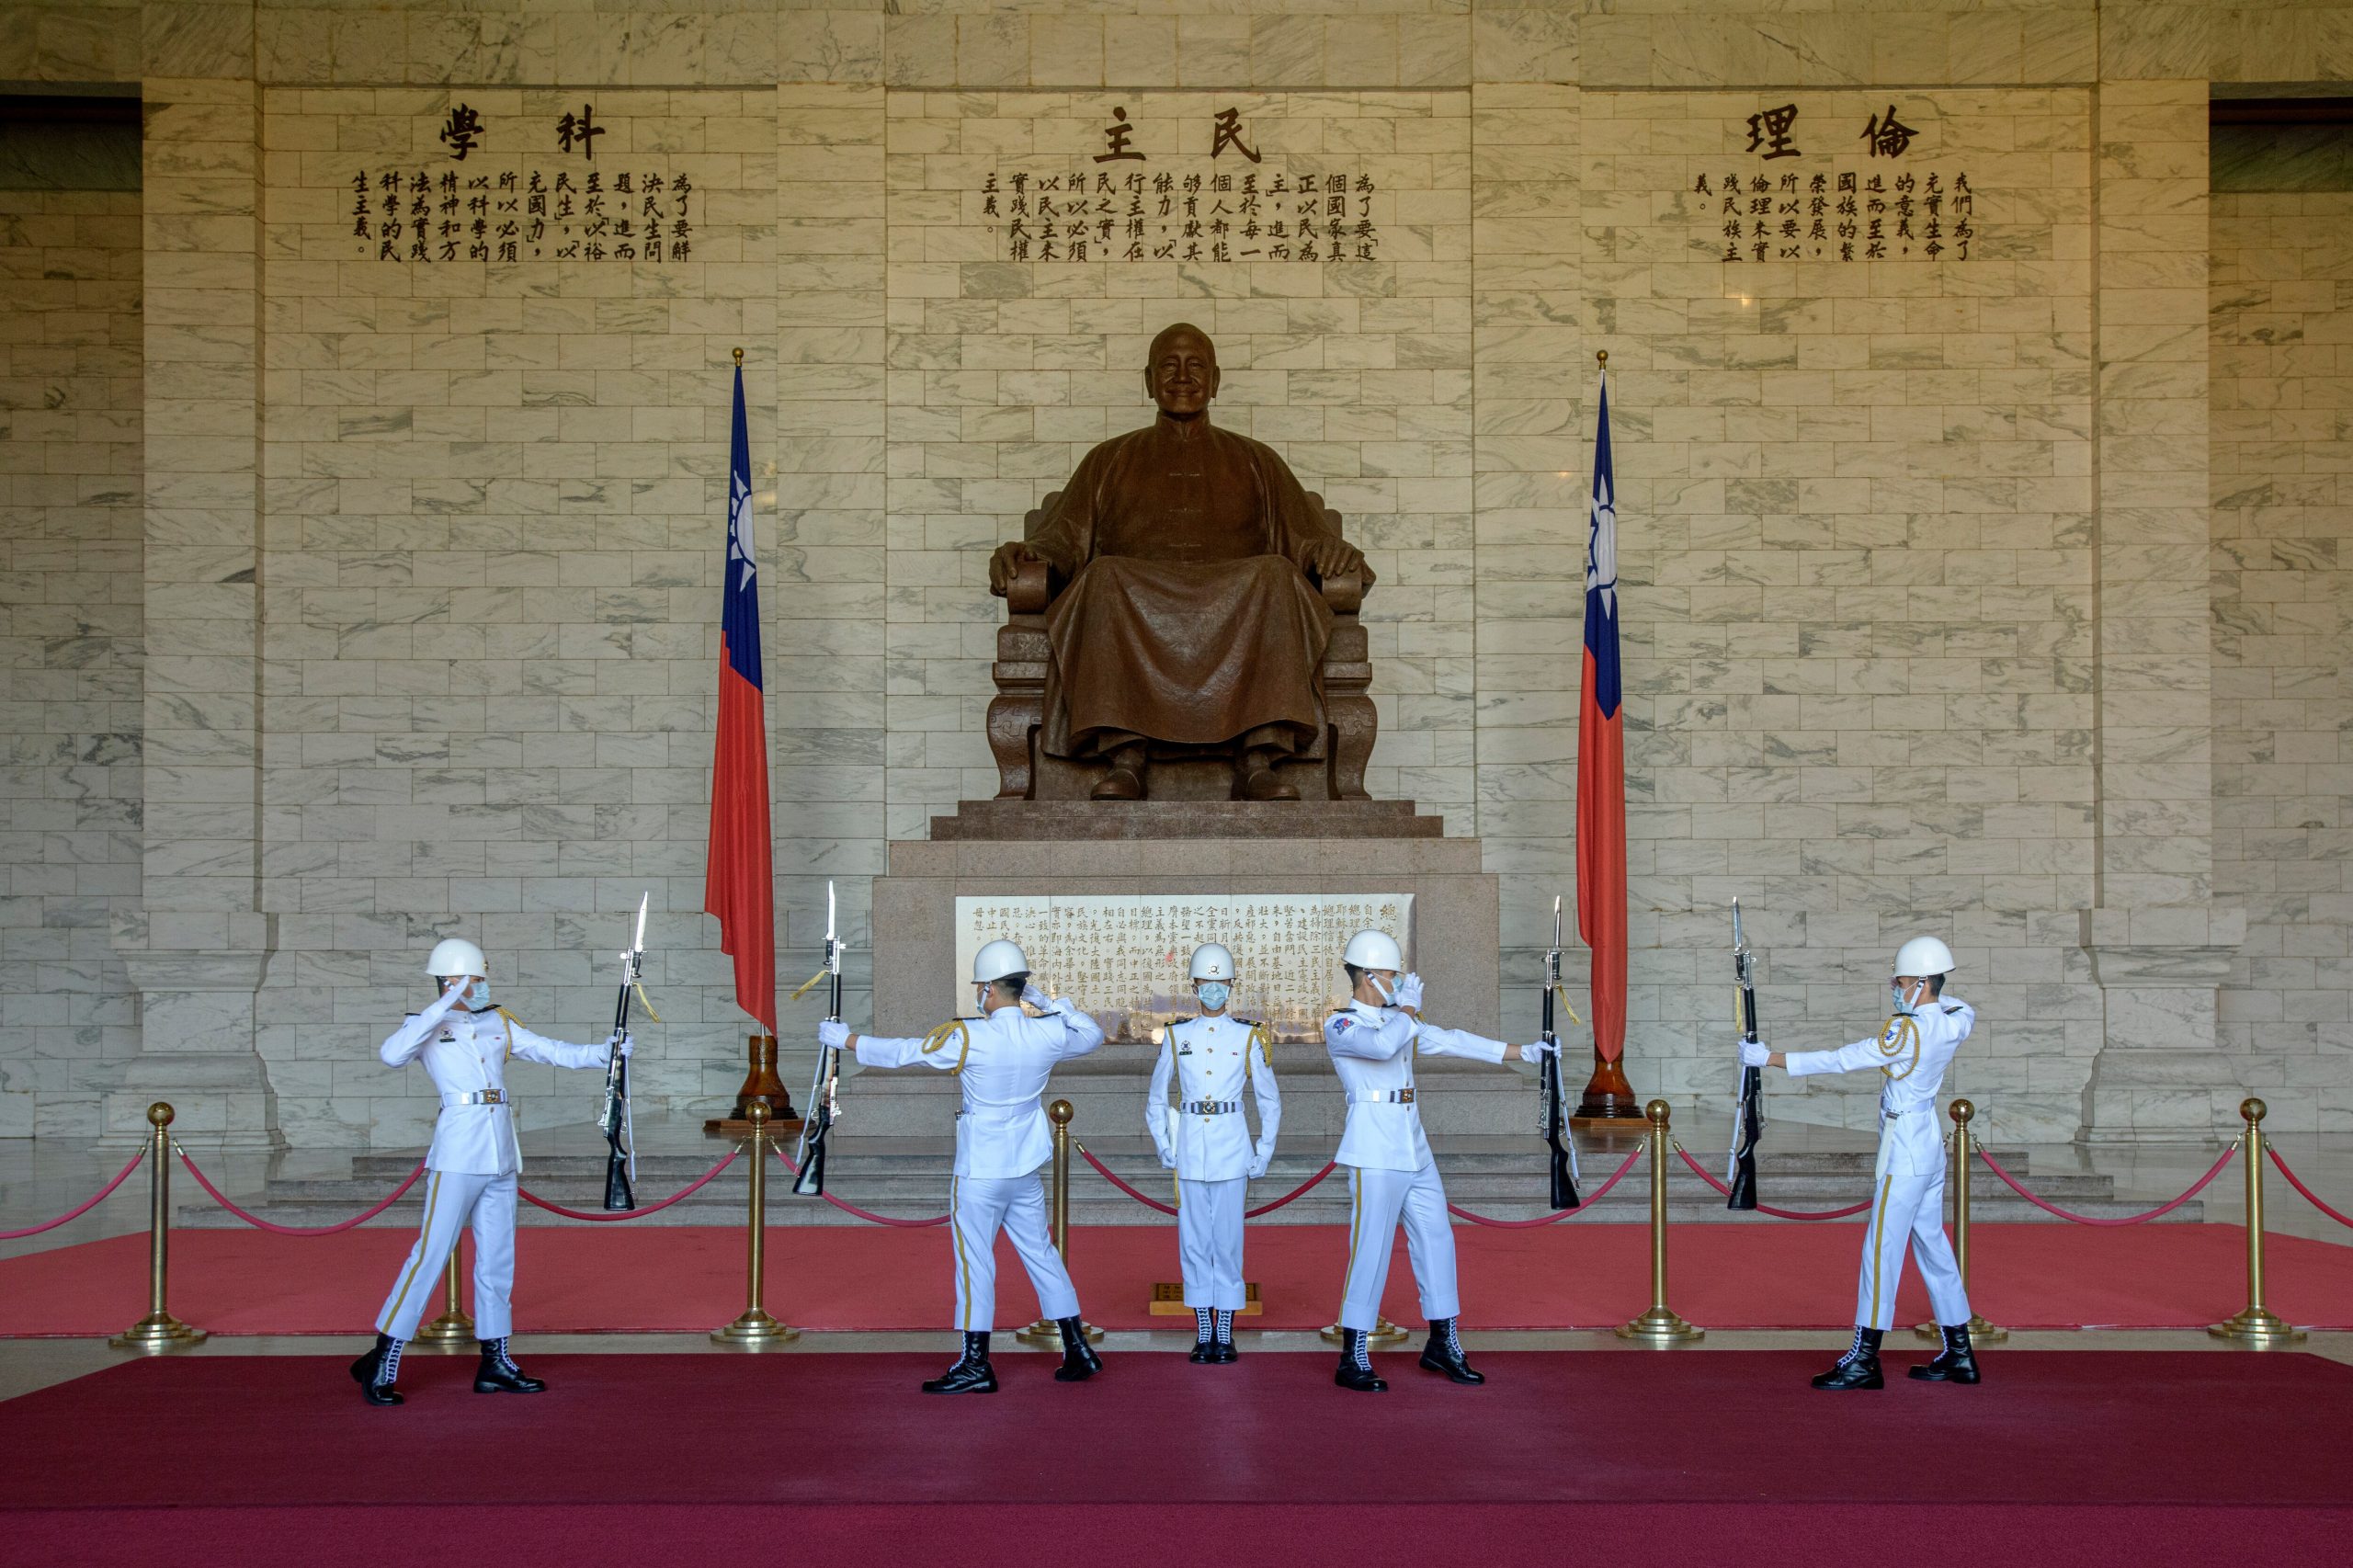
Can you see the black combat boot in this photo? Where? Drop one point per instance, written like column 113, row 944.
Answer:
column 1859, row 1368
column 1956, row 1363
column 1355, row 1363
column 1444, row 1354
column 971, row 1374
column 499, row 1374
column 1222, row 1348
column 1204, row 1342
column 378, row 1370
column 1079, row 1360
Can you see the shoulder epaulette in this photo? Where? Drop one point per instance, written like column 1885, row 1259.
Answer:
column 1950, row 1011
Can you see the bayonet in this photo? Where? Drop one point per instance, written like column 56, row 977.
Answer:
column 825, row 1092
column 615, row 1122
column 1748, row 1105
column 1552, row 1123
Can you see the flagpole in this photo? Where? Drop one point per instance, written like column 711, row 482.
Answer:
column 1608, row 1103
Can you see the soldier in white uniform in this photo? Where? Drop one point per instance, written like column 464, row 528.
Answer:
column 1908, row 1196
column 1392, row 1173
column 1209, row 1147
column 472, row 1168
column 1004, row 1059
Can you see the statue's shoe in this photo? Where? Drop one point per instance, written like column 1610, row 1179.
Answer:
column 1119, row 784
column 1266, row 784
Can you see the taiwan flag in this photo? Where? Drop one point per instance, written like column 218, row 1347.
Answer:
column 1601, row 764
column 739, row 886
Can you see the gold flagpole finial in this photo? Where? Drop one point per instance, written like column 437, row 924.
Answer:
column 1601, row 358
column 739, row 358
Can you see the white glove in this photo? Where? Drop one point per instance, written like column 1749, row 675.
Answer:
column 1037, row 998
column 1168, row 1159
column 832, row 1034
column 1259, row 1163
column 1538, row 1050
column 1409, row 990
column 1753, row 1054
column 624, row 1046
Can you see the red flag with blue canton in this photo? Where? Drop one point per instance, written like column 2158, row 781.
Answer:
column 739, row 885
column 1602, row 763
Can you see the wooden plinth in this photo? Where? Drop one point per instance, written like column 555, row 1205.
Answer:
column 739, row 1126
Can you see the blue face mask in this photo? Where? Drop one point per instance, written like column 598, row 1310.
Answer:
column 478, row 995
column 1213, row 993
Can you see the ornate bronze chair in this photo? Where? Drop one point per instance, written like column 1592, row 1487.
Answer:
column 1018, row 710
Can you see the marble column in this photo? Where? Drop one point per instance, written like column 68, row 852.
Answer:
column 2158, row 947
column 198, row 946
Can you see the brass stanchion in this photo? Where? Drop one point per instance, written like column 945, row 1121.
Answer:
column 2254, row 1324
column 159, row 1330
column 1044, row 1332
column 1662, row 1326
column 1980, row 1331
column 454, row 1330
column 756, row 1330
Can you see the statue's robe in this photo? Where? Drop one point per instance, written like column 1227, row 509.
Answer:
column 1188, row 619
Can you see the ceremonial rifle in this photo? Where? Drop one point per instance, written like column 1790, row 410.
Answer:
column 1553, row 1124
column 616, row 1123
column 825, row 1093
column 1748, row 1113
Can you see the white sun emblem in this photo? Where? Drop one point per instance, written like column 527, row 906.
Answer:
column 1602, row 549
column 739, row 529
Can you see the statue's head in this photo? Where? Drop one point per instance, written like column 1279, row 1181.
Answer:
column 1180, row 373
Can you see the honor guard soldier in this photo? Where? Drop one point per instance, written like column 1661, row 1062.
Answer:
column 1003, row 1060
column 472, row 1168
column 1209, row 1147
column 1908, row 1184
column 1392, row 1173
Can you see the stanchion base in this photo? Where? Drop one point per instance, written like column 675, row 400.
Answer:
column 1384, row 1333
column 1661, row 1327
column 450, row 1331
column 1980, row 1332
column 1046, row 1333
column 756, row 1330
column 158, row 1331
column 2257, row 1327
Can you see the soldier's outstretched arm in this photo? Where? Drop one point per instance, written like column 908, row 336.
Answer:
column 1438, row 1040
column 532, row 1046
column 1852, row 1058
column 1347, row 1034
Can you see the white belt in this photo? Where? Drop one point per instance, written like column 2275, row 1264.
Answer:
column 1208, row 1108
column 475, row 1097
column 1382, row 1097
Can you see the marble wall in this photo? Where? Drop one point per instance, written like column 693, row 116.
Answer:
column 70, row 647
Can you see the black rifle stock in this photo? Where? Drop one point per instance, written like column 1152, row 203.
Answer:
column 817, row 1119
column 1555, row 1112
column 1748, row 1120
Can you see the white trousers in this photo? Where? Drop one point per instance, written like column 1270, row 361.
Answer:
column 1208, row 1241
column 978, row 1207
column 1377, row 1200
column 451, row 1198
column 1908, row 1209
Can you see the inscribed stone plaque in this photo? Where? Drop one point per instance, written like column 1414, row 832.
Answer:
column 1127, row 960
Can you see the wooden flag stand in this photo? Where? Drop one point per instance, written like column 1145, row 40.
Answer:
column 1609, row 1104
column 761, row 1087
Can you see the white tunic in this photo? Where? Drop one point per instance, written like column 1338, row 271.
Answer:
column 1373, row 1048
column 1209, row 1058
column 1911, row 1144
column 1002, row 1061
column 466, row 1052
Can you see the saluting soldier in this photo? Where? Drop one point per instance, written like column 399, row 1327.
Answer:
column 1003, row 1060
column 472, row 1169
column 1392, row 1173
column 1908, row 1182
column 1209, row 1146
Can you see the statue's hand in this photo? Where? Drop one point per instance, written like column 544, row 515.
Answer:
column 1329, row 558
column 1006, row 561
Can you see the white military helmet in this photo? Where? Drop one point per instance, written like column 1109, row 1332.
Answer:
column 1211, row 961
column 455, row 955
column 998, row 959
column 1923, row 956
column 1373, row 950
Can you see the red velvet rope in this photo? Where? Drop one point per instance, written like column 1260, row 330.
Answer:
column 119, row 1175
column 609, row 1216
column 1598, row 1194
column 866, row 1214
column 1701, row 1171
column 2309, row 1196
column 1105, row 1172
column 1301, row 1190
column 2195, row 1187
column 259, row 1223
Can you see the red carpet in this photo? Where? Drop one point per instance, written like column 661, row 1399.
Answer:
column 1565, row 1276
column 2087, row 1457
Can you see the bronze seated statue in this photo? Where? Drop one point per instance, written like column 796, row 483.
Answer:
column 1183, row 619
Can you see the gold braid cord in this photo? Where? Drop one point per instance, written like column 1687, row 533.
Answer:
column 806, row 986
column 1562, row 992
column 938, row 1040
column 1264, row 1039
column 643, row 1000
column 1903, row 1030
